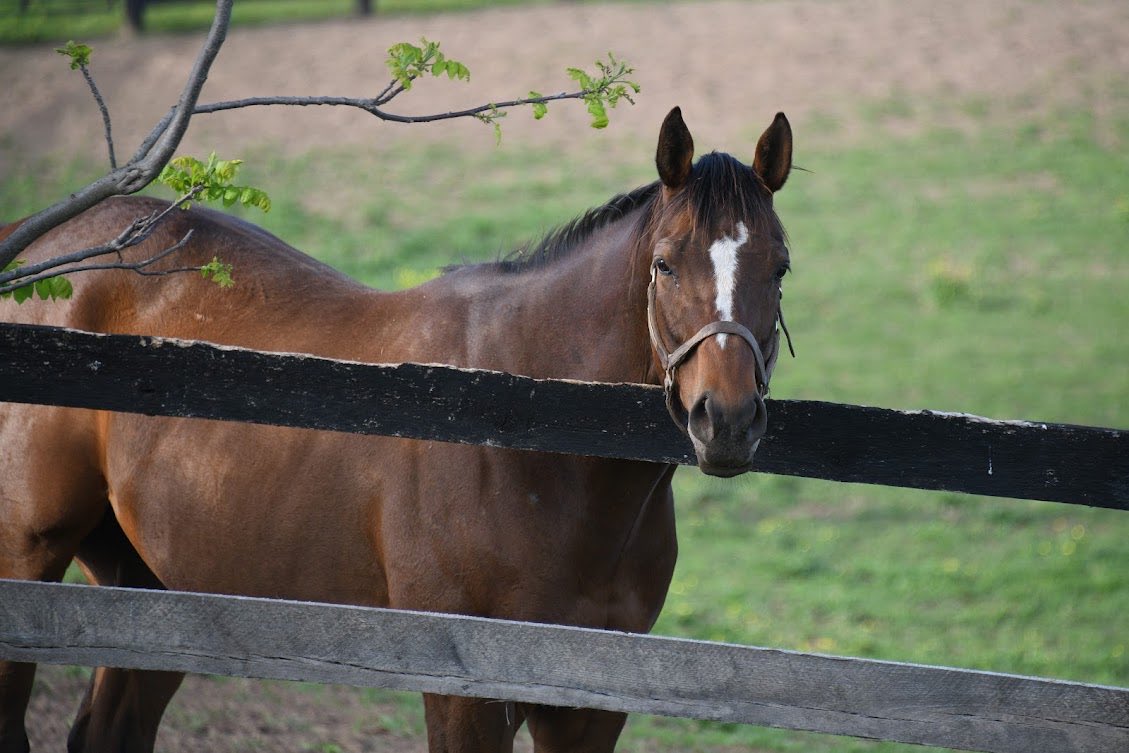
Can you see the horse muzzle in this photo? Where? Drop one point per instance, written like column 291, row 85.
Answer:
column 724, row 429
column 726, row 436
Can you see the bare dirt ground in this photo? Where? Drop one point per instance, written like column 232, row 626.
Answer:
column 730, row 65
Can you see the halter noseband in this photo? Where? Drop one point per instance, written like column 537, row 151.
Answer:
column 671, row 361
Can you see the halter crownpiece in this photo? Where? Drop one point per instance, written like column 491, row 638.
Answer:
column 671, row 361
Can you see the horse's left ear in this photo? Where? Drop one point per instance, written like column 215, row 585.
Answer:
column 675, row 154
column 773, row 161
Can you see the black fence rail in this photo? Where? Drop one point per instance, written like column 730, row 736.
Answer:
column 918, row 449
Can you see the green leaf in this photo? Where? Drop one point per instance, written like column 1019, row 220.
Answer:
column 48, row 289
column 606, row 90
column 598, row 113
column 218, row 272
column 401, row 62
column 61, row 287
column 407, row 62
column 540, row 109
column 211, row 181
column 78, row 52
column 581, row 78
column 20, row 294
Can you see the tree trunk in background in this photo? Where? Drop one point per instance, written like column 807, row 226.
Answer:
column 135, row 13
column 364, row 7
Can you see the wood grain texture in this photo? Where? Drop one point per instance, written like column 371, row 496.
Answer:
column 560, row 666
column 927, row 450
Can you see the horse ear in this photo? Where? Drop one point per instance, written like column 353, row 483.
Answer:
column 675, row 154
column 773, row 161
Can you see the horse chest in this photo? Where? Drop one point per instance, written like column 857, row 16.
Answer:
column 532, row 537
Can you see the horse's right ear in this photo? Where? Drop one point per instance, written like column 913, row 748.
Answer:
column 675, row 154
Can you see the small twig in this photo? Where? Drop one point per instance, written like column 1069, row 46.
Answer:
column 105, row 113
column 389, row 93
column 136, row 232
column 156, row 217
column 139, row 267
column 23, row 274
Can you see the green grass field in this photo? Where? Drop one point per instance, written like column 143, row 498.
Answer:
column 980, row 270
column 45, row 21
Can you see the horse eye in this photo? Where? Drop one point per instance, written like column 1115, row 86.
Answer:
column 662, row 266
column 783, row 270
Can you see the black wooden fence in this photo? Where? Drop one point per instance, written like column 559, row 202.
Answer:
column 550, row 664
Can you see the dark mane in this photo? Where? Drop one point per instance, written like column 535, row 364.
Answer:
column 559, row 241
column 720, row 187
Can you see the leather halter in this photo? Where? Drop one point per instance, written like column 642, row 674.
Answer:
column 671, row 361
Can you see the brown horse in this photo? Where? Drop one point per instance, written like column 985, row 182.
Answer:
column 677, row 281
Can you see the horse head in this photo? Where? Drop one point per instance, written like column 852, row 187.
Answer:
column 718, row 258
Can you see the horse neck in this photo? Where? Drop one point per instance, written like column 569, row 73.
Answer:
column 580, row 316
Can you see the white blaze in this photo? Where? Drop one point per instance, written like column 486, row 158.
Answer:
column 723, row 254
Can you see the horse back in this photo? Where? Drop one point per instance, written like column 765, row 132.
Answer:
column 282, row 299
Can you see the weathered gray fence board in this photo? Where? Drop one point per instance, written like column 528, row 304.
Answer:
column 558, row 666
column 1081, row 465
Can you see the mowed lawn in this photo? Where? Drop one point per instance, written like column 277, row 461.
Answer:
column 981, row 269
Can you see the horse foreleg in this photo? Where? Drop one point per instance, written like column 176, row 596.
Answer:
column 561, row 730
column 15, row 691
column 469, row 725
column 122, row 708
column 25, row 555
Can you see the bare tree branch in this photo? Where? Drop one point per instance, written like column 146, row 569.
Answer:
column 105, row 113
column 389, row 92
column 158, row 130
column 136, row 232
column 140, row 267
column 372, row 106
column 139, row 171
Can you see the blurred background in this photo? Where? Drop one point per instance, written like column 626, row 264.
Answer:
column 960, row 242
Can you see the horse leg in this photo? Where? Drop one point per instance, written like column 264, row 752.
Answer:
column 562, row 730
column 469, row 725
column 26, row 556
column 49, row 500
column 46, row 561
column 122, row 708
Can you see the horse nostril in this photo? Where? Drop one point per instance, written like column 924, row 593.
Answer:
column 701, row 423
